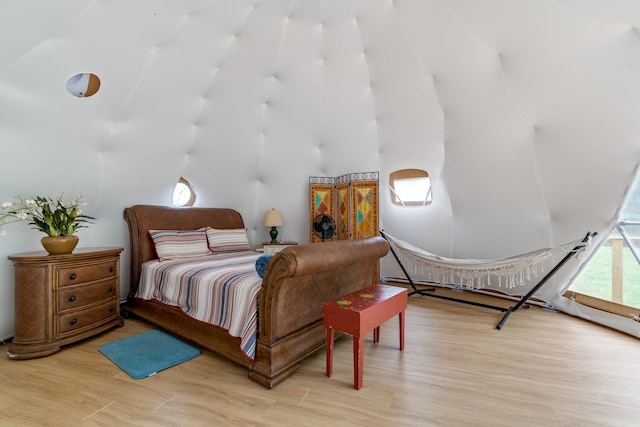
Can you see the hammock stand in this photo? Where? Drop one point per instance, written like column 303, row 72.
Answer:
column 507, row 311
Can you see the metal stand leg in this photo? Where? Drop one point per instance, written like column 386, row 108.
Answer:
column 543, row 280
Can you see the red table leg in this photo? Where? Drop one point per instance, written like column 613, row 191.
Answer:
column 401, row 330
column 329, row 366
column 358, row 362
column 376, row 334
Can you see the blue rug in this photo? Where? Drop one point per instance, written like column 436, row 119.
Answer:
column 145, row 354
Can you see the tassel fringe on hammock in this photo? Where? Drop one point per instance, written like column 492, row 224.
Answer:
column 475, row 273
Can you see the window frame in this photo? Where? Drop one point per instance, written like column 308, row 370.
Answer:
column 406, row 174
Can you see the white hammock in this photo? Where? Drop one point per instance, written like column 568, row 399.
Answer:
column 476, row 273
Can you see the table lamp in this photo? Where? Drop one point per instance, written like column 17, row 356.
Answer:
column 273, row 220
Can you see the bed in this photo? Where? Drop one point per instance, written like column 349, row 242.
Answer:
column 289, row 298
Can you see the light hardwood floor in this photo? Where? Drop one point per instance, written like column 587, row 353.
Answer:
column 541, row 369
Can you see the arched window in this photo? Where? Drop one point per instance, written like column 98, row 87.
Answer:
column 410, row 187
column 183, row 194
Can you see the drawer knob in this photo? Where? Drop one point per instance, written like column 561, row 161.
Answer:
column 72, row 298
column 111, row 289
column 111, row 308
column 73, row 321
column 72, row 276
column 111, row 269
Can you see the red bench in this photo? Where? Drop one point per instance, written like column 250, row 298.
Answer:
column 359, row 313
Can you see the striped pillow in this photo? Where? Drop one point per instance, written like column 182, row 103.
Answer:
column 231, row 240
column 173, row 244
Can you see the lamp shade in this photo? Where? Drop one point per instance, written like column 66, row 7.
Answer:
column 273, row 219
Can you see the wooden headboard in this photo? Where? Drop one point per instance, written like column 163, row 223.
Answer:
column 142, row 218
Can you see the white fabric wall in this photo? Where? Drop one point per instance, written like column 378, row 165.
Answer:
column 523, row 112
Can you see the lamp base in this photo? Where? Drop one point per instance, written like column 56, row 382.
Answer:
column 274, row 234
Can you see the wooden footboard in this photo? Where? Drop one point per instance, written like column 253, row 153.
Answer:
column 296, row 284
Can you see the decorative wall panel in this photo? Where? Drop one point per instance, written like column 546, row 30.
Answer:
column 322, row 201
column 364, row 211
column 356, row 204
column 342, row 211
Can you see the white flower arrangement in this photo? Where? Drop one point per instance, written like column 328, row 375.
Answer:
column 54, row 217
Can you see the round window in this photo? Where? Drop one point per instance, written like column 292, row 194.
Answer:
column 83, row 85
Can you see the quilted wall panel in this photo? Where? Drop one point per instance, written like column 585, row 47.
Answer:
column 524, row 113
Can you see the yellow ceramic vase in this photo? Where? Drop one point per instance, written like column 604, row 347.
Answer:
column 59, row 245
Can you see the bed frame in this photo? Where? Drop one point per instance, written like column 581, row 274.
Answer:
column 296, row 283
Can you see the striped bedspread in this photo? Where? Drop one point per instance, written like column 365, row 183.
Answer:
column 219, row 289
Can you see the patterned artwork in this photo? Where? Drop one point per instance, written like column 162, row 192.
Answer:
column 342, row 212
column 356, row 204
column 322, row 191
column 323, row 201
column 365, row 209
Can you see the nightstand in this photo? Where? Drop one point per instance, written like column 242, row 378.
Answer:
column 60, row 299
column 274, row 248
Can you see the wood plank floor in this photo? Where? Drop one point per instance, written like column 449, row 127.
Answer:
column 541, row 369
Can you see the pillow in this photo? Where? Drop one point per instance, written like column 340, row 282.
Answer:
column 262, row 263
column 228, row 240
column 174, row 244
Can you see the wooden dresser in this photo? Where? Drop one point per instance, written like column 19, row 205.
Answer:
column 60, row 299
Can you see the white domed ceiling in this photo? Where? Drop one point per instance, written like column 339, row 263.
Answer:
column 524, row 113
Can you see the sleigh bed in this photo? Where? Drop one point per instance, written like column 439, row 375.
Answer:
column 289, row 297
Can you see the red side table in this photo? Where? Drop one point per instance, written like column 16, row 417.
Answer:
column 359, row 313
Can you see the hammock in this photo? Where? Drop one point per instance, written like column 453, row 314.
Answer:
column 476, row 273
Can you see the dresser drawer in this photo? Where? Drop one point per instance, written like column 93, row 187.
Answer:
column 79, row 319
column 71, row 297
column 87, row 273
